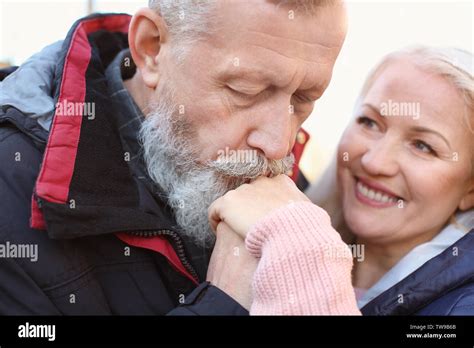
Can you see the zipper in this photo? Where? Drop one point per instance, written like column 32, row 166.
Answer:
column 176, row 241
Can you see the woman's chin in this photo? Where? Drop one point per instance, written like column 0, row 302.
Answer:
column 367, row 226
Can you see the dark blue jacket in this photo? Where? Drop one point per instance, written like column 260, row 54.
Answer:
column 107, row 242
column 442, row 286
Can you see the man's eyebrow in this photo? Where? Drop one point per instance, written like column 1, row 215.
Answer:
column 417, row 129
column 261, row 77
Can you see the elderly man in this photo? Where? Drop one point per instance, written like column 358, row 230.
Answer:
column 112, row 143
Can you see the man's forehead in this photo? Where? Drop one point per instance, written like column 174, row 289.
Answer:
column 263, row 62
column 244, row 19
column 313, row 51
column 268, row 46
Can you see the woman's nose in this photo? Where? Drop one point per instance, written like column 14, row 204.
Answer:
column 380, row 159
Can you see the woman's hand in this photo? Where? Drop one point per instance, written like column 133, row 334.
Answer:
column 244, row 206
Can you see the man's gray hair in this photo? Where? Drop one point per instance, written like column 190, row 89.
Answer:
column 310, row 7
column 188, row 20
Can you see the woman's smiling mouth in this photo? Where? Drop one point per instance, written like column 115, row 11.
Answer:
column 374, row 195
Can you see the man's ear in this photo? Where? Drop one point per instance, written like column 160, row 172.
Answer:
column 467, row 201
column 147, row 33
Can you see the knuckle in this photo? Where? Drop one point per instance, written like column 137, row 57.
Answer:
column 228, row 196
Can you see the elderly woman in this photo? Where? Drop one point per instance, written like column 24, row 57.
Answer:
column 401, row 188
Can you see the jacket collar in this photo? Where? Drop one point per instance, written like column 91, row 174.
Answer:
column 451, row 269
column 415, row 258
column 92, row 180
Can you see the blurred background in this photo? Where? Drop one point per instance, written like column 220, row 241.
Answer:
column 375, row 28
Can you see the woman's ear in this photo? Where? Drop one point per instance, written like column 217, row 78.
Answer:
column 147, row 33
column 467, row 201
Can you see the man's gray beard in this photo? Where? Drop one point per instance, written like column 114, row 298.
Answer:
column 170, row 153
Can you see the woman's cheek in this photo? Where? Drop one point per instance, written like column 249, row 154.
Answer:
column 433, row 189
column 439, row 185
column 351, row 146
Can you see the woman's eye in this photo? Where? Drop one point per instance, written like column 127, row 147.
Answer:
column 424, row 147
column 367, row 122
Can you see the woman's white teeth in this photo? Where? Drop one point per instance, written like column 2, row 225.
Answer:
column 375, row 195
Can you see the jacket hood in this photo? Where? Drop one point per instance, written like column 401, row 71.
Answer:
column 85, row 186
column 92, row 179
column 30, row 88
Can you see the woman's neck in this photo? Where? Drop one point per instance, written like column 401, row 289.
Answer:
column 377, row 261
column 380, row 258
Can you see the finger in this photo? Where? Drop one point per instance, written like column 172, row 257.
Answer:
column 224, row 226
column 224, row 231
column 213, row 214
column 285, row 178
column 258, row 180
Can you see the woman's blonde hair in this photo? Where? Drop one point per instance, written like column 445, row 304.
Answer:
column 454, row 64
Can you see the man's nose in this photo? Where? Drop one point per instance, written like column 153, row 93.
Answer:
column 380, row 159
column 273, row 135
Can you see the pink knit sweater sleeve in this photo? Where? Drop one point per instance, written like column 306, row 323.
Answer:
column 305, row 267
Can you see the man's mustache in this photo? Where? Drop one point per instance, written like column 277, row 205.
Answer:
column 257, row 166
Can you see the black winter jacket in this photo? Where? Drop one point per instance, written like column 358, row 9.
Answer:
column 106, row 241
